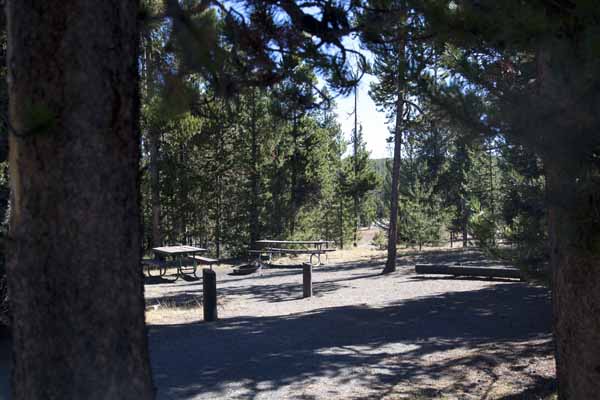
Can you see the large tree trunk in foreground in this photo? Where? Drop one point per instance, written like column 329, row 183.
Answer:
column 567, row 126
column 574, row 225
column 74, row 272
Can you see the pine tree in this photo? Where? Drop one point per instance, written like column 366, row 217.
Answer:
column 537, row 89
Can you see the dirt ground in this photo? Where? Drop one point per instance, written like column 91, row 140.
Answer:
column 361, row 336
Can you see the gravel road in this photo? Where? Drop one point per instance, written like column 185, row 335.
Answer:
column 362, row 335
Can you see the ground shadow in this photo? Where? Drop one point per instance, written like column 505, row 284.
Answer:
column 460, row 256
column 157, row 280
column 5, row 362
column 272, row 293
column 462, row 278
column 243, row 357
column 542, row 388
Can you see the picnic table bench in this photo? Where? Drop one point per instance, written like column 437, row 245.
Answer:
column 316, row 249
column 204, row 260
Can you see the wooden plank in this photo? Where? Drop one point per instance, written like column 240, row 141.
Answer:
column 204, row 260
column 461, row 270
column 294, row 251
column 315, row 242
column 177, row 250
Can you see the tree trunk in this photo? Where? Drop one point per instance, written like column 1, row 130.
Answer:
column 355, row 148
column 294, row 177
column 255, row 176
column 341, row 219
column 155, row 189
column 465, row 223
column 566, row 101
column 218, row 217
column 390, row 265
column 574, row 226
column 74, row 272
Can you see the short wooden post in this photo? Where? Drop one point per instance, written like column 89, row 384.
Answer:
column 209, row 289
column 306, row 280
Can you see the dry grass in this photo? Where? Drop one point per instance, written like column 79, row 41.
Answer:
column 168, row 313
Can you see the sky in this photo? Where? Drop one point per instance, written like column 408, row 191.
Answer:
column 375, row 129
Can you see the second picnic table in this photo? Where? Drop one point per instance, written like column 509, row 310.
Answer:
column 317, row 248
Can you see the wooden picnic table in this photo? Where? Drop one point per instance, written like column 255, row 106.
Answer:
column 178, row 253
column 317, row 248
column 301, row 242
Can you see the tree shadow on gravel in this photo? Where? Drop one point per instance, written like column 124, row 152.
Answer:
column 259, row 287
column 5, row 361
column 542, row 388
column 468, row 256
column 272, row 293
column 375, row 348
column 406, row 261
column 462, row 278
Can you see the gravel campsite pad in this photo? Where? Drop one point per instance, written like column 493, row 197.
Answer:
column 361, row 336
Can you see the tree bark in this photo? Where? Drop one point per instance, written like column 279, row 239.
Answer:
column 74, row 272
column 574, row 227
column 465, row 222
column 255, row 175
column 355, row 152
column 155, row 188
column 565, row 130
column 390, row 265
column 293, row 212
column 341, row 219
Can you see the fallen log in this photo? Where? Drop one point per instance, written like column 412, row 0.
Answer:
column 461, row 270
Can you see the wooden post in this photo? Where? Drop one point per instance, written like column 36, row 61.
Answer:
column 209, row 288
column 307, row 280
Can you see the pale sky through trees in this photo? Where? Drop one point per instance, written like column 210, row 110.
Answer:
column 375, row 129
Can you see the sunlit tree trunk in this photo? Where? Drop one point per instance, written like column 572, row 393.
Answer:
column 390, row 265
column 75, row 235
column 255, row 175
column 294, row 176
column 155, row 189
column 355, row 152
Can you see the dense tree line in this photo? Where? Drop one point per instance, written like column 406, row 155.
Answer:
column 223, row 172
column 491, row 193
